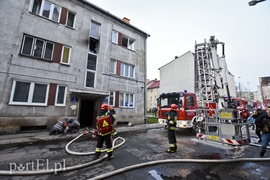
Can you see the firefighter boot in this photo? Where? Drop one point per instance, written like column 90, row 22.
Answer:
column 97, row 154
column 114, row 134
column 171, row 150
column 110, row 156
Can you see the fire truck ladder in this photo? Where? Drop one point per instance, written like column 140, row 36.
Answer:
column 205, row 77
column 217, row 124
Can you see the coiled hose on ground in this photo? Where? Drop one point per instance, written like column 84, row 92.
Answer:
column 118, row 171
column 54, row 171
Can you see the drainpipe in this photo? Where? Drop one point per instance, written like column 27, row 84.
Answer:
column 145, row 77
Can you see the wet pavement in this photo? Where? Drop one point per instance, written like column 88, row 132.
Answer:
column 43, row 136
column 144, row 144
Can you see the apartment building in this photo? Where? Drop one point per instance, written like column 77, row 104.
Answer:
column 265, row 89
column 152, row 93
column 64, row 59
column 181, row 74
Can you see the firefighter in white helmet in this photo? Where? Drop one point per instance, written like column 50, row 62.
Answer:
column 171, row 126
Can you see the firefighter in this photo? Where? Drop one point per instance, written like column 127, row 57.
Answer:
column 105, row 127
column 112, row 115
column 171, row 126
column 72, row 125
column 263, row 122
column 59, row 127
column 259, row 111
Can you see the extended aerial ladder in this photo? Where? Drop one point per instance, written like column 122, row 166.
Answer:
column 218, row 119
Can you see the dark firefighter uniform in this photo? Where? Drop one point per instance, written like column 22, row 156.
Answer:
column 105, row 128
column 259, row 111
column 112, row 115
column 171, row 126
column 264, row 122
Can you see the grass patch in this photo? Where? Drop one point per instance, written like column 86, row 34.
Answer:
column 151, row 120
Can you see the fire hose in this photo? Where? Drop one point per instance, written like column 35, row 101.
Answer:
column 53, row 171
column 125, row 169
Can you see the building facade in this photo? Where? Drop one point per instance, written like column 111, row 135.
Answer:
column 180, row 74
column 64, row 59
column 152, row 93
column 265, row 89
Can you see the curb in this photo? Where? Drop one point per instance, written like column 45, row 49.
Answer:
column 13, row 140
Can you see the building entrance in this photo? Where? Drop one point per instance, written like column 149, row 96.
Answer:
column 87, row 113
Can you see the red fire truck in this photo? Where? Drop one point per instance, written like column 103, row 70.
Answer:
column 187, row 106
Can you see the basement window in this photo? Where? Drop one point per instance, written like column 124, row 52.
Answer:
column 33, row 128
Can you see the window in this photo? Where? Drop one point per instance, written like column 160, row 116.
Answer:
column 60, row 96
column 131, row 43
column 94, row 30
column 39, row 48
column 65, row 55
column 127, row 70
column 126, row 41
column 111, row 98
column 29, row 93
column 94, row 37
column 115, row 37
column 113, row 66
column 91, row 70
column 36, row 6
column 126, row 100
column 46, row 9
column 70, row 19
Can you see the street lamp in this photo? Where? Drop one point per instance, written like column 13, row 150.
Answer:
column 239, row 86
column 248, row 92
column 254, row 2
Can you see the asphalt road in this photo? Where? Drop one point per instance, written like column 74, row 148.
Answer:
column 141, row 148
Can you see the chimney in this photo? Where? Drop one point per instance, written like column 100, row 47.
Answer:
column 126, row 20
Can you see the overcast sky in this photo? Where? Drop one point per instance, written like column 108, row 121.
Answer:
column 175, row 25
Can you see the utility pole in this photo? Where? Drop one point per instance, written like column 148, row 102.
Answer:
column 249, row 98
column 239, row 86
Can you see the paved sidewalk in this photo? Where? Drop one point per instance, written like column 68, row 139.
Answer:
column 29, row 138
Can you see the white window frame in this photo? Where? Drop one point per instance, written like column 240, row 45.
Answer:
column 113, row 66
column 91, row 71
column 57, row 94
column 62, row 54
column 33, row 47
column 74, row 20
column 131, row 43
column 94, row 25
column 52, row 6
column 127, row 70
column 126, row 98
column 114, row 37
column 30, row 94
column 111, row 96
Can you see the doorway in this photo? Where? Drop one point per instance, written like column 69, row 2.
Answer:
column 87, row 114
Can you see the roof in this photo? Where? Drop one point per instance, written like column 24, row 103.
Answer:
column 177, row 57
column 113, row 16
column 155, row 84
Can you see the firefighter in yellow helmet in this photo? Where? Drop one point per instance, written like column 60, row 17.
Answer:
column 105, row 127
column 171, row 126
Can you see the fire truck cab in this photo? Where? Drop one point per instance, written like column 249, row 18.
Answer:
column 187, row 106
